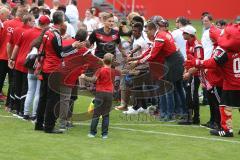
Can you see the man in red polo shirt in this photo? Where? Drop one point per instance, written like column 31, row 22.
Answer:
column 4, row 13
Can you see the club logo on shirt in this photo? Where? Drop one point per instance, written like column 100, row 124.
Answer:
column 10, row 29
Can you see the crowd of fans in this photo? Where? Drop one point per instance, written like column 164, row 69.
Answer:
column 48, row 53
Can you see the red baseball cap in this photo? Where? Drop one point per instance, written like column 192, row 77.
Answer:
column 44, row 20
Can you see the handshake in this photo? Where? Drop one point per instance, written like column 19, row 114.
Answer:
column 193, row 62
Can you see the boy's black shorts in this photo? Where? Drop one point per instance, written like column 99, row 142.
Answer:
column 231, row 98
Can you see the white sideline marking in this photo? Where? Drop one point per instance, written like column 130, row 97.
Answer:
column 155, row 132
column 7, row 116
column 132, row 124
column 176, row 135
column 146, row 124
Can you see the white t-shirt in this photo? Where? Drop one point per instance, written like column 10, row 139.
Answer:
column 141, row 41
column 180, row 42
column 73, row 15
column 207, row 44
column 70, row 30
column 91, row 25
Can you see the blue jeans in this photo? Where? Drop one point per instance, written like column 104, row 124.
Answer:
column 32, row 93
column 167, row 105
column 180, row 98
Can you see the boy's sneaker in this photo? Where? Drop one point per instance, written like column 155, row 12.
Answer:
column 63, row 127
column 104, row 137
column 91, row 135
column 221, row 133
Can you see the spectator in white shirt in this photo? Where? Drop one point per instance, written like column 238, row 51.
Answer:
column 72, row 13
column 70, row 30
column 90, row 22
column 177, row 34
column 206, row 41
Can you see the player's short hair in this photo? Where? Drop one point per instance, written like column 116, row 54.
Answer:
column 107, row 59
column 81, row 35
column 107, row 15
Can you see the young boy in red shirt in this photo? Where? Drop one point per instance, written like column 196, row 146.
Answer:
column 104, row 78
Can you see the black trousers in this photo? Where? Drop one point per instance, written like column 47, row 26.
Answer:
column 192, row 97
column 20, row 90
column 48, row 106
column 3, row 72
column 102, row 107
column 214, row 97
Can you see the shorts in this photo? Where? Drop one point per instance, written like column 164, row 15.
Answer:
column 230, row 98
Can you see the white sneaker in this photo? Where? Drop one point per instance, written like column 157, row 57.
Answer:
column 14, row 115
column 142, row 110
column 130, row 111
column 91, row 135
column 130, row 107
column 104, row 137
